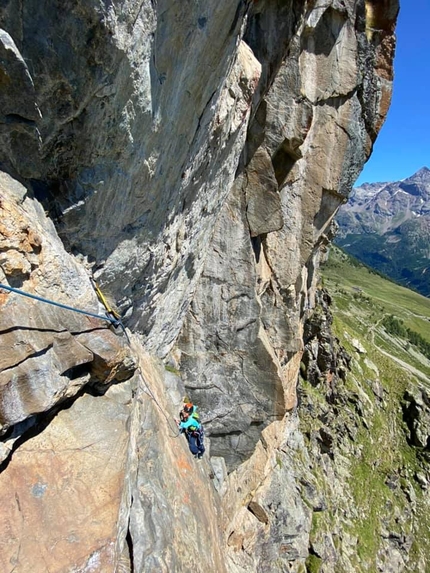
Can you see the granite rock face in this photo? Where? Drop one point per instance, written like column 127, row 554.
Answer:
column 175, row 513
column 268, row 522
column 52, row 352
column 172, row 88
column 190, row 157
column 311, row 127
column 62, row 491
column 140, row 141
column 416, row 410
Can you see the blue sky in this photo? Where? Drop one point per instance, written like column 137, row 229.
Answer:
column 403, row 144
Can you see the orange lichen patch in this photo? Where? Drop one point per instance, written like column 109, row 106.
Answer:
column 15, row 232
column 384, row 58
column 183, row 464
column 30, row 240
column 290, row 381
column 286, row 548
column 13, row 263
column 368, row 146
column 48, row 496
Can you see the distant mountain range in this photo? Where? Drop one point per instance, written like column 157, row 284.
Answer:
column 387, row 226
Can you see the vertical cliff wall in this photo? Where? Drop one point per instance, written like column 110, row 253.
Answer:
column 189, row 156
column 315, row 114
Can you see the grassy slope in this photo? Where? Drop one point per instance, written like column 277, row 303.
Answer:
column 382, row 439
column 364, row 309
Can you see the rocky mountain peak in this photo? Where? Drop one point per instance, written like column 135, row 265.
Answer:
column 364, row 192
column 380, row 207
column 418, row 184
column 387, row 226
column 422, row 174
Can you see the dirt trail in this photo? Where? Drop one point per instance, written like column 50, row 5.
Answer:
column 406, row 366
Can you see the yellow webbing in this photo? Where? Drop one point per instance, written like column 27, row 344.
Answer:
column 105, row 302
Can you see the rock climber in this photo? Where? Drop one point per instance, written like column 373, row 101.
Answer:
column 192, row 428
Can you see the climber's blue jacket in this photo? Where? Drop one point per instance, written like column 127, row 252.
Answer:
column 189, row 424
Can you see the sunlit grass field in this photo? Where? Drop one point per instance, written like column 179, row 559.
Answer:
column 363, row 298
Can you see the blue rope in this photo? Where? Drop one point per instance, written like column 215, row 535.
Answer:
column 40, row 299
column 114, row 321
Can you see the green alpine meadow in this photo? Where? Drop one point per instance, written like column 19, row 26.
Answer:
column 369, row 430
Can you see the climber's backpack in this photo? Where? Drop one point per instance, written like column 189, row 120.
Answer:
column 197, row 430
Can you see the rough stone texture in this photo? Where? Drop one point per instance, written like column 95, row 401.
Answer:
column 19, row 112
column 358, row 480
column 188, row 153
column 268, row 523
column 62, row 490
column 136, row 196
column 416, row 412
column 173, row 130
column 52, row 352
column 228, row 363
column 175, row 512
column 109, row 482
column 324, row 360
column 263, row 205
column 307, row 141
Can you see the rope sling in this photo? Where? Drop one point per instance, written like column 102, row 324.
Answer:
column 114, row 321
